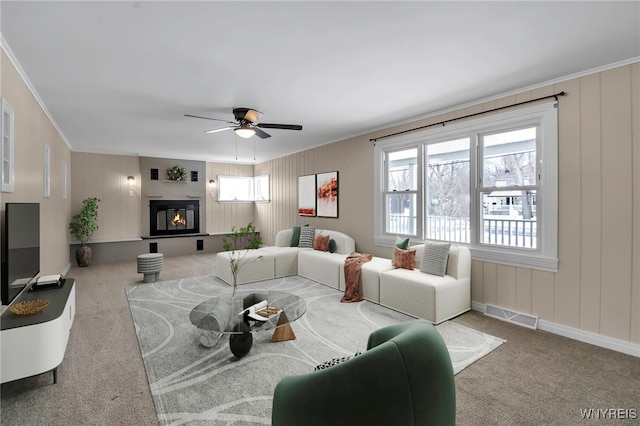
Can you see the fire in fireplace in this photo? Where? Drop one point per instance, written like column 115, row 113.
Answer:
column 174, row 217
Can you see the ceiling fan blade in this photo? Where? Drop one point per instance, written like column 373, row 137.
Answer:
column 261, row 133
column 209, row 118
column 219, row 130
column 279, row 126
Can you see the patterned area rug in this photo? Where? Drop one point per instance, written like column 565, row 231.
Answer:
column 194, row 384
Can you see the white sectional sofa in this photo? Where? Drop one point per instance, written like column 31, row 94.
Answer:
column 429, row 296
column 282, row 260
column 411, row 291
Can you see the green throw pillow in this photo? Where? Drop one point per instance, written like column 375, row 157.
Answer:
column 332, row 246
column 401, row 243
column 295, row 237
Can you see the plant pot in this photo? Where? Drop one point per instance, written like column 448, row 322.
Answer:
column 83, row 255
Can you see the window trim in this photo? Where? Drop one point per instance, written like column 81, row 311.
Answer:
column 544, row 115
column 253, row 191
column 7, row 186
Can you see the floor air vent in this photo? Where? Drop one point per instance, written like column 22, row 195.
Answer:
column 524, row 320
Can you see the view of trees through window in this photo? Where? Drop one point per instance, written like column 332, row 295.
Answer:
column 447, row 183
column 506, row 189
column 401, row 194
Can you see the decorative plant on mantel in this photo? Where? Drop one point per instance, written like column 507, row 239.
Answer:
column 82, row 227
column 241, row 240
column 177, row 174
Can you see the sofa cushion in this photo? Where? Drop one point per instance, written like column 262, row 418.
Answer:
column 321, row 242
column 434, row 258
column 295, row 236
column 332, row 246
column 404, row 258
column 307, row 236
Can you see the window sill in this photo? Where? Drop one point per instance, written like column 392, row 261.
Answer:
column 514, row 258
column 495, row 255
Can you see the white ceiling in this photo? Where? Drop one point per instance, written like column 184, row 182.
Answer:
column 118, row 77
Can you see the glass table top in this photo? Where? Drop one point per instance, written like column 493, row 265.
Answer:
column 228, row 314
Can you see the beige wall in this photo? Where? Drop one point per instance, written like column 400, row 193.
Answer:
column 32, row 131
column 597, row 286
column 222, row 216
column 119, row 213
column 105, row 177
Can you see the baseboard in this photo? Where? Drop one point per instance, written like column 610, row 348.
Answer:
column 580, row 335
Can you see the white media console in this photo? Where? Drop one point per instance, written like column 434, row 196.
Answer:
column 35, row 344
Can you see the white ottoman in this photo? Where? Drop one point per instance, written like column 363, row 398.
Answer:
column 150, row 264
column 286, row 260
column 255, row 265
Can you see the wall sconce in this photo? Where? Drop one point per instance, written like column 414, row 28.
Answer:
column 131, row 180
column 212, row 182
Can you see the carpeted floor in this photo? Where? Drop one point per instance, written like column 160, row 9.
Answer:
column 537, row 378
column 192, row 383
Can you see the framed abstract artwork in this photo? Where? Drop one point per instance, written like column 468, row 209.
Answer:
column 307, row 195
column 327, row 194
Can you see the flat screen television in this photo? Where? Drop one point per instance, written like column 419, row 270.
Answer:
column 20, row 248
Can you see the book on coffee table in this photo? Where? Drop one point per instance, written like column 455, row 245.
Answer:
column 261, row 311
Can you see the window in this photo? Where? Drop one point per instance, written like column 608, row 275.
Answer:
column 243, row 189
column 489, row 183
column 261, row 185
column 6, row 164
column 447, row 187
column 508, row 187
column 401, row 192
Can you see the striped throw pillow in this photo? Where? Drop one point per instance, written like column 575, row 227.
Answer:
column 307, row 236
column 434, row 258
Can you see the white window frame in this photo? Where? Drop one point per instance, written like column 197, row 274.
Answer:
column 259, row 184
column 416, row 191
column 545, row 256
column 7, row 171
column 254, row 184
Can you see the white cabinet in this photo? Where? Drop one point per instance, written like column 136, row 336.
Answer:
column 34, row 344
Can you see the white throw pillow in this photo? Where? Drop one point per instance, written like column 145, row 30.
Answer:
column 434, row 258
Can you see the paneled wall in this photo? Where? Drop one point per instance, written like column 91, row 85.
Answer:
column 105, row 177
column 222, row 216
column 597, row 286
column 32, row 131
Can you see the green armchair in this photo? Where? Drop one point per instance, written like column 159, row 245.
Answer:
column 404, row 378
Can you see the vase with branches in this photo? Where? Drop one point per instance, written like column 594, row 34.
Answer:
column 238, row 244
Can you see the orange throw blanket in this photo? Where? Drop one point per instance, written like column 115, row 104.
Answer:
column 352, row 266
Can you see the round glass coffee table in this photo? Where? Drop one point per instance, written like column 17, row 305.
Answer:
column 237, row 317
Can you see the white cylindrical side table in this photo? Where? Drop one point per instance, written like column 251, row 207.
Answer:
column 150, row 264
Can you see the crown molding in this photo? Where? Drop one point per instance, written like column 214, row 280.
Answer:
column 14, row 61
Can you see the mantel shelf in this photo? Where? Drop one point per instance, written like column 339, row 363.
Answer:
column 154, row 195
column 174, row 181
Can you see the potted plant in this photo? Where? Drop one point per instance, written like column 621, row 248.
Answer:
column 244, row 239
column 82, row 227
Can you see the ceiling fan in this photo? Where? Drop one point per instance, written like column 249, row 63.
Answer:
column 246, row 124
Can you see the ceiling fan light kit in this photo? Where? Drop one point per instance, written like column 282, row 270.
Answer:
column 244, row 131
column 246, row 124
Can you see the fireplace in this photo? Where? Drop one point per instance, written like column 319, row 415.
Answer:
column 174, row 217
